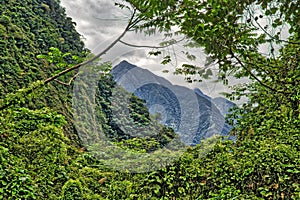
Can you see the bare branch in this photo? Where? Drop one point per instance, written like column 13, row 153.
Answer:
column 94, row 58
column 8, row 102
column 249, row 71
column 67, row 84
column 148, row 46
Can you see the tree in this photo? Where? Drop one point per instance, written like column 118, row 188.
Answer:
column 232, row 34
column 221, row 28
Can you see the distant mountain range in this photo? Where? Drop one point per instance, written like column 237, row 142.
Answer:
column 192, row 114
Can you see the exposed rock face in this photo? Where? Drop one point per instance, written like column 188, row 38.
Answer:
column 192, row 114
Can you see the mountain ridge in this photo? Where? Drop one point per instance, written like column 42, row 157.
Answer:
column 192, row 114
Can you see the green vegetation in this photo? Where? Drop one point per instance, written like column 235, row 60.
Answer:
column 136, row 129
column 40, row 152
column 28, row 29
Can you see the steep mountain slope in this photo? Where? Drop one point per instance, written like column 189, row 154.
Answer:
column 192, row 114
column 126, row 120
column 27, row 29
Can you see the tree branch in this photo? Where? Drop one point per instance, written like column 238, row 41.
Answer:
column 251, row 74
column 267, row 33
column 67, row 84
column 9, row 100
column 95, row 57
column 148, row 46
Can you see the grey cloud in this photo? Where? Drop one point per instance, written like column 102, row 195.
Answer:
column 100, row 22
column 96, row 20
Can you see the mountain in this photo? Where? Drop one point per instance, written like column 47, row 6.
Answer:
column 191, row 113
column 27, row 29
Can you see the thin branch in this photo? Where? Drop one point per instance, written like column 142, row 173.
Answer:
column 251, row 74
column 266, row 32
column 134, row 23
column 94, row 58
column 62, row 83
column 67, row 84
column 148, row 46
column 53, row 78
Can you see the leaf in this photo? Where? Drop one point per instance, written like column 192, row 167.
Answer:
column 155, row 53
column 166, row 60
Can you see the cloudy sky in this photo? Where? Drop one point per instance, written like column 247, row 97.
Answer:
column 100, row 22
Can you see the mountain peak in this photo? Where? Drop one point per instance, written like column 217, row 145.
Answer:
column 122, row 68
column 124, row 62
column 191, row 113
column 199, row 92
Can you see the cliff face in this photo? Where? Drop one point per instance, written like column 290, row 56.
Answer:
column 192, row 114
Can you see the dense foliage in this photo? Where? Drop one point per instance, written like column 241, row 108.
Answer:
column 136, row 129
column 233, row 34
column 38, row 155
column 30, row 28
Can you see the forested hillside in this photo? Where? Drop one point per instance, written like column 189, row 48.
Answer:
column 42, row 157
column 30, row 28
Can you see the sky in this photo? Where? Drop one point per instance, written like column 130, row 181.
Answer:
column 100, row 22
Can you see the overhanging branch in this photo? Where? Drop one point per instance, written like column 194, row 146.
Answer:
column 249, row 71
column 95, row 57
column 7, row 102
column 149, row 46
